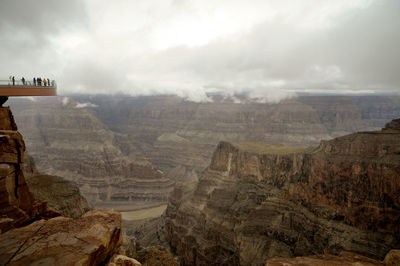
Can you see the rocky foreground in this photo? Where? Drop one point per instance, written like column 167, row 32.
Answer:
column 257, row 201
column 91, row 240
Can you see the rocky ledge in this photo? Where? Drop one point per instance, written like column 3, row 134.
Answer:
column 90, row 240
column 258, row 201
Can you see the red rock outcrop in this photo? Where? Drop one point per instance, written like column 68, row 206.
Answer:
column 257, row 201
column 17, row 205
column 90, row 240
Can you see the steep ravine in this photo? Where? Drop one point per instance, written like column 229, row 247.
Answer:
column 257, row 201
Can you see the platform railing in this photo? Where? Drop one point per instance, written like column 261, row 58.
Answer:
column 28, row 83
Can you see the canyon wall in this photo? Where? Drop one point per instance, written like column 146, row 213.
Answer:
column 111, row 146
column 68, row 140
column 257, row 201
column 179, row 136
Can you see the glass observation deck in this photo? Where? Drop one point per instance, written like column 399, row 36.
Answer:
column 27, row 88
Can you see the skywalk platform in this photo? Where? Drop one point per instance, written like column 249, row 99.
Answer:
column 28, row 89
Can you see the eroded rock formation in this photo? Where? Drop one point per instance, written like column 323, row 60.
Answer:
column 17, row 205
column 257, row 201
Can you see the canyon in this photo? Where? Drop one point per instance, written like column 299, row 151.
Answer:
column 127, row 152
column 257, row 201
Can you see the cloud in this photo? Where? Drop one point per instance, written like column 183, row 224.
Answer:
column 267, row 49
column 28, row 30
column 84, row 105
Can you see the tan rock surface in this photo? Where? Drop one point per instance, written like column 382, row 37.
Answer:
column 90, row 240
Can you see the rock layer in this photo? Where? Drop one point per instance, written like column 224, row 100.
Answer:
column 17, row 205
column 258, row 201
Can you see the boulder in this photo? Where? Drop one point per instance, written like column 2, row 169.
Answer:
column 122, row 260
column 393, row 257
column 90, row 240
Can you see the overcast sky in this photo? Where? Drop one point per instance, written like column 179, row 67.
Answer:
column 266, row 48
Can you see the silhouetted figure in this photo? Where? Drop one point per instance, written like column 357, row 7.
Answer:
column 23, row 81
column 34, row 81
column 44, row 82
column 39, row 81
column 3, row 99
column 48, row 82
column 13, row 80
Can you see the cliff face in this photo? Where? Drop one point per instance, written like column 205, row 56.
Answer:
column 17, row 205
column 70, row 141
column 257, row 201
column 60, row 194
